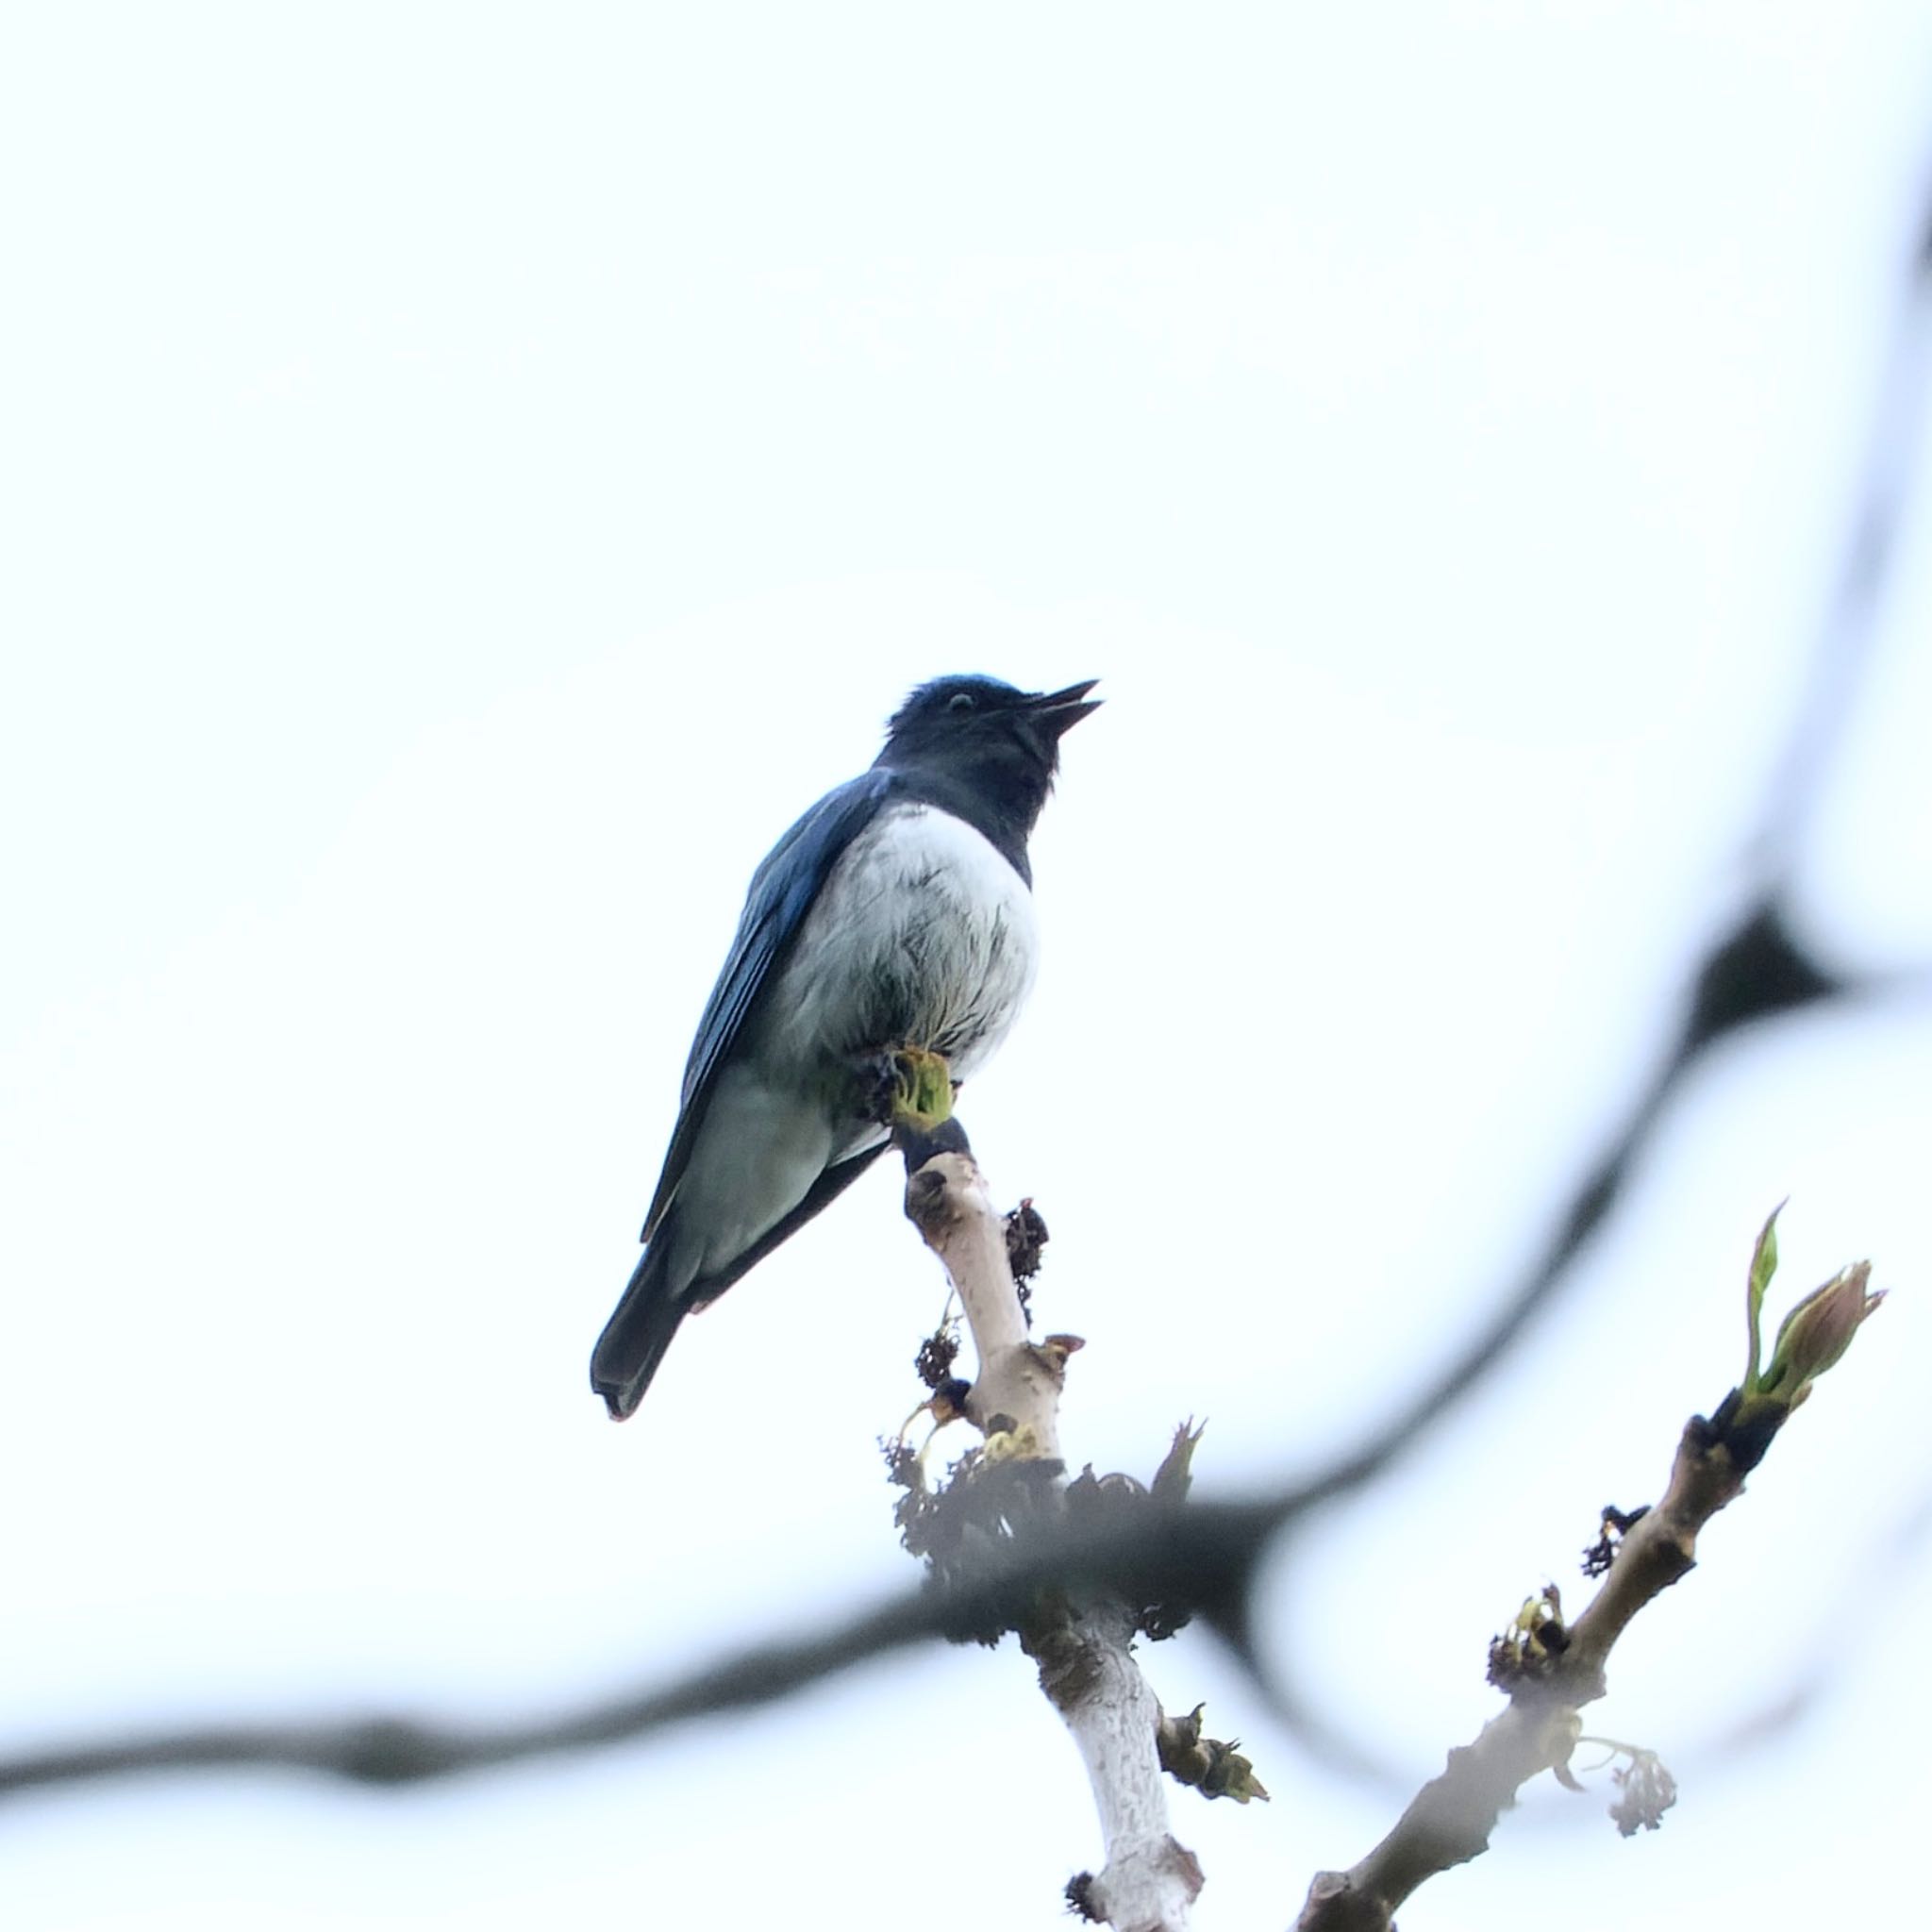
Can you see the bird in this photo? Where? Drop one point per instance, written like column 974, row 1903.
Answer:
column 897, row 912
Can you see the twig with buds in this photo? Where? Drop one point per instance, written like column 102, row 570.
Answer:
column 1550, row 1670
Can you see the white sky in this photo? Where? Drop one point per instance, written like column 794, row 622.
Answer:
column 471, row 477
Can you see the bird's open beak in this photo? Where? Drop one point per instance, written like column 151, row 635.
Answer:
column 1063, row 709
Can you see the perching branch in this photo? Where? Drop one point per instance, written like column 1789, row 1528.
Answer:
column 1016, row 1395
column 1082, row 1643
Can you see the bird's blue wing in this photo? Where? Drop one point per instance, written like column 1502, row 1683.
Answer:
column 782, row 892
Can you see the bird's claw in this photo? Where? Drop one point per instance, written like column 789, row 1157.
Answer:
column 908, row 1089
column 913, row 1089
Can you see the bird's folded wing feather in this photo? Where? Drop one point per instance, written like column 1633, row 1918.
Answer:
column 782, row 892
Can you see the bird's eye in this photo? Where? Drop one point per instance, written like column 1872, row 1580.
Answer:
column 960, row 701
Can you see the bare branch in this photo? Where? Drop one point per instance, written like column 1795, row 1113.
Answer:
column 1849, row 631
column 398, row 1751
column 1200, row 1556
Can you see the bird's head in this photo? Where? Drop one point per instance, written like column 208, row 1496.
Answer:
column 977, row 721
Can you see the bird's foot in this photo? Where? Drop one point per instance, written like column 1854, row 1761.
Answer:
column 915, row 1089
column 908, row 1092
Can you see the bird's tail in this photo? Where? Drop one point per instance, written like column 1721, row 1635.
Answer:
column 635, row 1338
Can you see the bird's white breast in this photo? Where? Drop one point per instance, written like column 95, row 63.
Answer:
column 923, row 935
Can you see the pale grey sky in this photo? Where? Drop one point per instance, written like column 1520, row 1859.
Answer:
column 471, row 477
